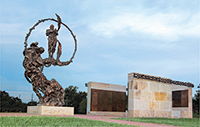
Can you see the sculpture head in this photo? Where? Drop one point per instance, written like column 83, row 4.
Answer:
column 39, row 50
column 51, row 27
column 34, row 44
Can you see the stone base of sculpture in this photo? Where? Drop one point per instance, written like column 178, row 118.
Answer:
column 50, row 110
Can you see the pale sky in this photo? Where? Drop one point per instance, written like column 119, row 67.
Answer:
column 115, row 37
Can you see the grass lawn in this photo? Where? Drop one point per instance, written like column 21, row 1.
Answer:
column 54, row 121
column 195, row 122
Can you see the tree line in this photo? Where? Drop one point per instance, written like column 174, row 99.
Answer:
column 72, row 98
column 13, row 104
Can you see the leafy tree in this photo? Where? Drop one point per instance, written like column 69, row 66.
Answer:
column 126, row 102
column 83, row 106
column 70, row 93
column 73, row 98
column 195, row 102
column 11, row 104
column 32, row 103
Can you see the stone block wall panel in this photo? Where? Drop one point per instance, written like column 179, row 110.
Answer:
column 151, row 96
column 160, row 96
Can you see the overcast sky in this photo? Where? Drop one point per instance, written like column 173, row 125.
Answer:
column 115, row 37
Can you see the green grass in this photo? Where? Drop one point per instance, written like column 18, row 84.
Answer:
column 54, row 121
column 183, row 122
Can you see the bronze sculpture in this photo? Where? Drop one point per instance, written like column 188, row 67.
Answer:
column 50, row 93
column 52, row 40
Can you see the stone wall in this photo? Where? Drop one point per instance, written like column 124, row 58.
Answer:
column 148, row 96
column 183, row 112
column 151, row 96
column 106, row 99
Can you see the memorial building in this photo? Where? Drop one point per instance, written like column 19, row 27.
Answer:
column 148, row 96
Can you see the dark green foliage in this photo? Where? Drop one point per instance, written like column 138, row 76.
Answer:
column 73, row 98
column 83, row 106
column 195, row 101
column 126, row 102
column 11, row 104
column 32, row 103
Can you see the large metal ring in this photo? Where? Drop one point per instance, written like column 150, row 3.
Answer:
column 52, row 19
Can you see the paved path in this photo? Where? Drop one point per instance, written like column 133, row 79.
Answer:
column 102, row 118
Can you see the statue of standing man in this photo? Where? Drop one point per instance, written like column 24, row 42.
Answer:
column 52, row 34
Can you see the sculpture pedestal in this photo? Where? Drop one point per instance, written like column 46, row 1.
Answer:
column 50, row 110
